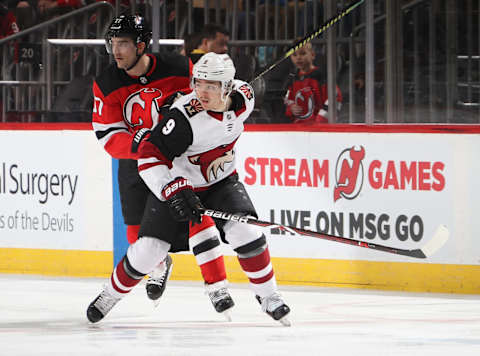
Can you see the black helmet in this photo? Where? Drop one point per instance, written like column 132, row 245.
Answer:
column 134, row 27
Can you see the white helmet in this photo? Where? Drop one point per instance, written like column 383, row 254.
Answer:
column 215, row 67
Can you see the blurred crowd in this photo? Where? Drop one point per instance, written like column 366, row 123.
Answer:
column 296, row 90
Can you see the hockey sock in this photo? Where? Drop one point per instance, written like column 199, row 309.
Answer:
column 124, row 278
column 205, row 244
column 254, row 259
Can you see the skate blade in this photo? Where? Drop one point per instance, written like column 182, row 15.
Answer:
column 285, row 322
column 227, row 315
column 156, row 302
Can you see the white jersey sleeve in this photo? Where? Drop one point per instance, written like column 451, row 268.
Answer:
column 246, row 92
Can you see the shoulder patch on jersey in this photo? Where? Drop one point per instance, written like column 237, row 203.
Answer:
column 193, row 107
column 247, row 91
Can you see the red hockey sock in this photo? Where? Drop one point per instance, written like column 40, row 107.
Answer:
column 259, row 271
column 205, row 244
column 124, row 277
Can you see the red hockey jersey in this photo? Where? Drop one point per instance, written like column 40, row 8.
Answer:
column 307, row 92
column 124, row 104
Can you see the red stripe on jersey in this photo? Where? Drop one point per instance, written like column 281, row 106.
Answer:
column 216, row 115
column 262, row 279
column 146, row 166
column 241, row 110
column 256, row 263
column 152, row 67
column 119, row 146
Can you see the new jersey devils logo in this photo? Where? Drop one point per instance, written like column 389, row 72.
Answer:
column 304, row 99
column 349, row 173
column 212, row 161
column 141, row 108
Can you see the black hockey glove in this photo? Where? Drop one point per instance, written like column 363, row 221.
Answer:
column 184, row 204
column 143, row 148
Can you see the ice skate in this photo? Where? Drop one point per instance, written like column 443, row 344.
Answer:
column 220, row 298
column 101, row 305
column 158, row 279
column 274, row 306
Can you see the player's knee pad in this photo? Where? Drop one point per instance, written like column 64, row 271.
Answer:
column 205, row 243
column 253, row 248
column 132, row 233
column 147, row 253
column 238, row 234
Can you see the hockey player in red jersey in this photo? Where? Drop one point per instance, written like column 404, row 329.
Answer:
column 195, row 165
column 128, row 98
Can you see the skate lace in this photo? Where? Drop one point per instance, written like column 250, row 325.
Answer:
column 272, row 302
column 218, row 295
column 159, row 280
column 105, row 302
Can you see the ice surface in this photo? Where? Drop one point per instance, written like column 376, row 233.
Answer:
column 46, row 316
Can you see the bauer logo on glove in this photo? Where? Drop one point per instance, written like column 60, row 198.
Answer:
column 175, row 186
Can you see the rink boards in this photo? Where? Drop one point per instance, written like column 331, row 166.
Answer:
column 387, row 185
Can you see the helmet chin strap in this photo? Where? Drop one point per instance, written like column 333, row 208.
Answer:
column 136, row 61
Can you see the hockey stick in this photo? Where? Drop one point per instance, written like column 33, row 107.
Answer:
column 438, row 240
column 299, row 44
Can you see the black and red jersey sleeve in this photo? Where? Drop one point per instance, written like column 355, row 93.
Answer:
column 109, row 126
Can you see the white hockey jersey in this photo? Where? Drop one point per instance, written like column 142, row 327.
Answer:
column 198, row 145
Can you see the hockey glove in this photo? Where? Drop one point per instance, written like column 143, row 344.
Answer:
column 184, row 204
column 143, row 148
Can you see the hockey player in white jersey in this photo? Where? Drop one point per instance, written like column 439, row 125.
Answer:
column 196, row 169
column 198, row 140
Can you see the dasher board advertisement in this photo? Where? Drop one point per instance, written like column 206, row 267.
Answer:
column 55, row 191
column 393, row 189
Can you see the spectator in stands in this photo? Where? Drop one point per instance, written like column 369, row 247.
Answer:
column 213, row 38
column 307, row 97
column 8, row 21
column 8, row 27
column 190, row 43
column 48, row 5
column 50, row 8
column 26, row 12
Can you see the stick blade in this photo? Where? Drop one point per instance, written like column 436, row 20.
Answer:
column 437, row 241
